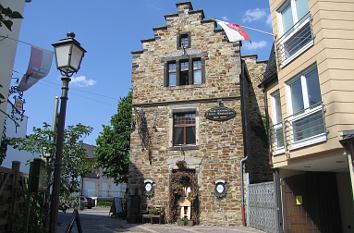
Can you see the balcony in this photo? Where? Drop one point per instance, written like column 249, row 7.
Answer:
column 295, row 41
column 299, row 130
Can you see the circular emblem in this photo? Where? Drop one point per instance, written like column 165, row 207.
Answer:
column 148, row 188
column 220, row 189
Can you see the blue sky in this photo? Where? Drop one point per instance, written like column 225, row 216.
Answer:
column 109, row 30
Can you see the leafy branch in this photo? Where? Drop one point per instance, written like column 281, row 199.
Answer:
column 7, row 15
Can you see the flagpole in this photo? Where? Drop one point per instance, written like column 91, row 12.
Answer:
column 257, row 30
column 253, row 29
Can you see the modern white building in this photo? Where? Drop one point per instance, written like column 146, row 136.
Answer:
column 96, row 185
column 8, row 45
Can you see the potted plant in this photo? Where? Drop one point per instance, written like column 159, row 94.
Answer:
column 180, row 222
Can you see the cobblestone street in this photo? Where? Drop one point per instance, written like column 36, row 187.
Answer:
column 98, row 221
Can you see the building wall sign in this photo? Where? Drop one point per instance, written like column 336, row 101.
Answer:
column 220, row 114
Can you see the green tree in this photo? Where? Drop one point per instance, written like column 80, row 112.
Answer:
column 113, row 143
column 7, row 15
column 74, row 165
column 75, row 162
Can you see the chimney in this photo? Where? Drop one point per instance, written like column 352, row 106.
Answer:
column 184, row 6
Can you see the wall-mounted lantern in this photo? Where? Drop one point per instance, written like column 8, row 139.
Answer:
column 220, row 188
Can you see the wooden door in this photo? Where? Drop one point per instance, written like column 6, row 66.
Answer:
column 310, row 203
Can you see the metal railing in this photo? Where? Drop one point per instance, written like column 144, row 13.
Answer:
column 296, row 40
column 75, row 218
column 301, row 129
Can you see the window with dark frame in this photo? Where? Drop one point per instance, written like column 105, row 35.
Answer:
column 172, row 81
column 184, row 130
column 184, row 72
column 197, row 71
column 184, row 41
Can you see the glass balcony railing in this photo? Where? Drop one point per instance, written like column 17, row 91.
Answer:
column 295, row 41
column 277, row 134
column 301, row 129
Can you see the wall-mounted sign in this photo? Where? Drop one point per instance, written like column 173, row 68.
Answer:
column 220, row 113
column 19, row 104
column 298, row 199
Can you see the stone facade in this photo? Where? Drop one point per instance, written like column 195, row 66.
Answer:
column 219, row 146
column 256, row 139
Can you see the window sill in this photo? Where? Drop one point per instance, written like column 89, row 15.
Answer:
column 187, row 86
column 309, row 141
column 279, row 151
column 184, row 148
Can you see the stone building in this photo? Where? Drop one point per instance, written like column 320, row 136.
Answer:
column 184, row 78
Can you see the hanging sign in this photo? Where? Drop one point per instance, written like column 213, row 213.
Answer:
column 19, row 104
column 220, row 113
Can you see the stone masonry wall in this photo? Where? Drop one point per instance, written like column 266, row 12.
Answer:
column 219, row 145
column 257, row 139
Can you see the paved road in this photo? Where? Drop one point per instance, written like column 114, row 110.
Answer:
column 97, row 220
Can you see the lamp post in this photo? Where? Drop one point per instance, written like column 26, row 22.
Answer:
column 68, row 54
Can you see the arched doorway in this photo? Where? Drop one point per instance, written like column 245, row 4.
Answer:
column 184, row 195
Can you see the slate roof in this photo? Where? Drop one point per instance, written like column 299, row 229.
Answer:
column 270, row 74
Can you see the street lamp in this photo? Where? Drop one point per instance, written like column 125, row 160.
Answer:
column 68, row 54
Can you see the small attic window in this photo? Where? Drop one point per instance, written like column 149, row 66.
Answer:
column 184, row 41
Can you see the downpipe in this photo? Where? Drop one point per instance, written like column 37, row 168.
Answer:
column 242, row 192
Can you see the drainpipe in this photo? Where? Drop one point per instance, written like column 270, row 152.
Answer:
column 242, row 192
column 245, row 132
column 348, row 144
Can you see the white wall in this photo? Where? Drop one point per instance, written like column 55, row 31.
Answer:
column 102, row 187
column 14, row 154
column 8, row 52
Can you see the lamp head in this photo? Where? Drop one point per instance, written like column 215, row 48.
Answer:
column 68, row 54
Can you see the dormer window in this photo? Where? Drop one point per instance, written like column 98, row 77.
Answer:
column 184, row 41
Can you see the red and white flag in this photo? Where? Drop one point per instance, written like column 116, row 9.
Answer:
column 234, row 32
column 38, row 68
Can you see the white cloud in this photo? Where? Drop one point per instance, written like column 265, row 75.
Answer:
column 82, row 81
column 253, row 15
column 225, row 18
column 255, row 45
column 269, row 20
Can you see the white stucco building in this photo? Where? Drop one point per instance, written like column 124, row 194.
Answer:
column 8, row 45
column 16, row 132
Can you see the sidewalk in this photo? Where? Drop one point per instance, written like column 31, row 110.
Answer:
column 96, row 220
